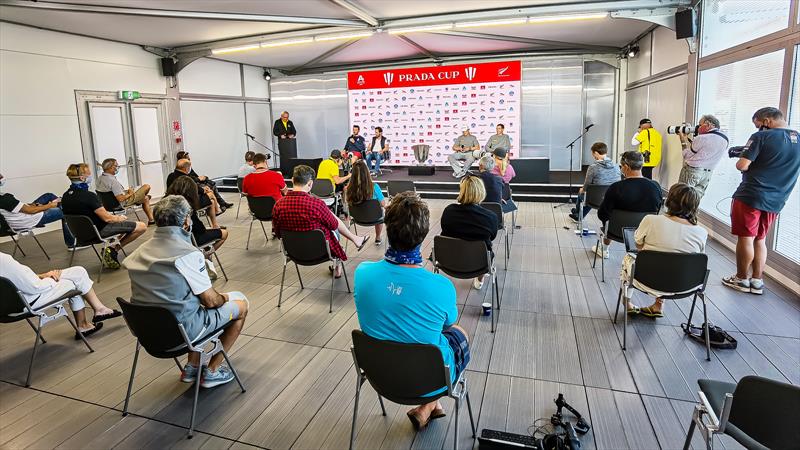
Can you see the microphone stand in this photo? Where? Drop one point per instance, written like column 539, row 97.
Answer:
column 571, row 147
column 277, row 156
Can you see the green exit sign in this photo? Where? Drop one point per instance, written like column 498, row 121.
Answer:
column 128, row 95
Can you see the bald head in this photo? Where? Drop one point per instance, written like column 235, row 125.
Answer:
column 184, row 165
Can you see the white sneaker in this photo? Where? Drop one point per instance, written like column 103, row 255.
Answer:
column 756, row 286
column 602, row 254
column 81, row 247
column 477, row 283
column 212, row 271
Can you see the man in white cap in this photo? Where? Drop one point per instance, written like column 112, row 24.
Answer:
column 463, row 156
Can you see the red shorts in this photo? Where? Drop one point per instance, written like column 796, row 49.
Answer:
column 747, row 221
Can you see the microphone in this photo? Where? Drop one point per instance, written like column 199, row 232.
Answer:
column 589, row 126
column 250, row 135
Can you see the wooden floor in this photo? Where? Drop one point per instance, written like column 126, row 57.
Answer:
column 555, row 335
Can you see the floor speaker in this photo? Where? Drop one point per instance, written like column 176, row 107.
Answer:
column 422, row 170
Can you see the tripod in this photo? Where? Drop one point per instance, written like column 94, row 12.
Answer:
column 277, row 156
column 571, row 147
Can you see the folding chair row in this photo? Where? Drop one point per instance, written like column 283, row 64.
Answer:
column 7, row 231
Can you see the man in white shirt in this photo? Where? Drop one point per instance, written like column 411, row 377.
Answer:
column 701, row 154
column 107, row 182
column 42, row 288
column 24, row 216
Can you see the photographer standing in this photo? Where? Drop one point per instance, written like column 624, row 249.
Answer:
column 648, row 140
column 769, row 162
column 701, row 154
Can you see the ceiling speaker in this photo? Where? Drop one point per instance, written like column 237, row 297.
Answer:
column 684, row 24
column 168, row 67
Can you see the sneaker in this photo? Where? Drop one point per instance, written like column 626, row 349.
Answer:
column 110, row 258
column 220, row 376
column 574, row 211
column 80, row 247
column 378, row 242
column 756, row 286
column 212, row 271
column 602, row 254
column 189, row 373
column 574, row 217
column 477, row 283
column 737, row 283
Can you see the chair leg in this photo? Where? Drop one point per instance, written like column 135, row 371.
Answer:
column 705, row 325
column 72, row 253
column 133, row 373
column 283, row 276
column 83, row 338
column 100, row 257
column 333, row 279
column 494, row 299
column 220, row 266
column 196, row 396
column 688, row 440
column 625, row 326
column 40, row 245
column 233, row 371
column 300, row 278
column 238, row 207
column 455, row 425
column 508, row 249
column 34, row 330
column 17, row 247
column 266, row 236
column 178, row 363
column 383, row 408
column 346, row 280
column 249, row 231
column 594, row 259
column 691, row 312
column 602, row 263
column 619, row 302
column 33, row 353
column 469, row 410
column 355, row 411
column 497, row 291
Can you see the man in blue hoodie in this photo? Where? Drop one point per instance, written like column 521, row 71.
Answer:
column 603, row 172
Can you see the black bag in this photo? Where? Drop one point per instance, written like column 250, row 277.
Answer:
column 717, row 337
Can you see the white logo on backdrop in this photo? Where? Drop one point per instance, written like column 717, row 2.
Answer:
column 388, row 77
column 502, row 72
column 470, row 72
column 360, row 80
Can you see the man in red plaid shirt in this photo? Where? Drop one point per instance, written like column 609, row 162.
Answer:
column 300, row 211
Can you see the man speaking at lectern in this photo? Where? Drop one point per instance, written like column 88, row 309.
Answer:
column 284, row 128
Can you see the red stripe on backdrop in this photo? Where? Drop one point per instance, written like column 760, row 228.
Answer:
column 436, row 75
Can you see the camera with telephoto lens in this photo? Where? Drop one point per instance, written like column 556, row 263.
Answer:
column 684, row 128
column 735, row 152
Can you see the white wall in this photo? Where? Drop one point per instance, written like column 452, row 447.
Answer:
column 39, row 73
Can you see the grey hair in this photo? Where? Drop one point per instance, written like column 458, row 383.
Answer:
column 486, row 163
column 171, row 211
column 107, row 163
column 710, row 119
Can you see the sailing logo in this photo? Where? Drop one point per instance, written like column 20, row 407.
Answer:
column 470, row 72
column 502, row 72
column 388, row 77
column 360, row 80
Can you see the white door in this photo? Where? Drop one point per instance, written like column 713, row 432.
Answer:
column 150, row 156
column 110, row 128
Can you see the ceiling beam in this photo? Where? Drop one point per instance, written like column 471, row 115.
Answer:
column 180, row 14
column 422, row 49
column 530, row 41
column 357, row 11
column 323, row 56
column 254, row 39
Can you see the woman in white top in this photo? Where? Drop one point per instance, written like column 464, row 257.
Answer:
column 676, row 231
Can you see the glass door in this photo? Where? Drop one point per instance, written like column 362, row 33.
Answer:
column 148, row 139
column 110, row 129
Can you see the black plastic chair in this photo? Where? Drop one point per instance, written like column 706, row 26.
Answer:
column 85, row 233
column 324, row 190
column 466, row 260
column 239, row 182
column 14, row 308
column 403, row 374
column 497, row 209
column 367, row 214
column 308, row 248
column 7, row 231
column 684, row 274
column 261, row 211
column 508, row 195
column 157, row 330
column 757, row 412
column 112, row 205
column 395, row 187
column 613, row 230
column 593, row 198
column 208, row 251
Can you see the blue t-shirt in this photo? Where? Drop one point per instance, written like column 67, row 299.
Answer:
column 403, row 304
column 376, row 192
column 775, row 156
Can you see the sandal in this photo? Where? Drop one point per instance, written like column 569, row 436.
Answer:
column 438, row 413
column 114, row 313
column 88, row 333
column 634, row 310
column 363, row 243
column 652, row 313
column 416, row 420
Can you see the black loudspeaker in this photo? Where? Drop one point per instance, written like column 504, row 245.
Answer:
column 684, row 24
column 168, row 67
column 421, row 170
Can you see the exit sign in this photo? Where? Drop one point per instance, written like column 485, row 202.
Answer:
column 128, row 95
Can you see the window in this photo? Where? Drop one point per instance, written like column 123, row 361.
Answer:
column 728, row 23
column 787, row 234
column 733, row 92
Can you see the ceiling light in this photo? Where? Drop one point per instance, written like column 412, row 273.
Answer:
column 267, row 75
column 490, row 23
column 422, row 29
column 336, row 37
column 241, row 48
column 566, row 18
column 282, row 42
column 633, row 50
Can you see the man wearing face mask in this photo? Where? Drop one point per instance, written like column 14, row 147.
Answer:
column 168, row 271
column 40, row 212
column 701, row 154
column 770, row 164
column 107, row 182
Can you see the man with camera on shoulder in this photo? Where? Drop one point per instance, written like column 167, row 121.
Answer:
column 701, row 153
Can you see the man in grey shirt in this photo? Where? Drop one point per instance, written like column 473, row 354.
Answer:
column 462, row 159
column 701, row 154
column 107, row 182
column 499, row 140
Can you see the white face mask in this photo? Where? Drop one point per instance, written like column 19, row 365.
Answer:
column 89, row 179
column 2, row 182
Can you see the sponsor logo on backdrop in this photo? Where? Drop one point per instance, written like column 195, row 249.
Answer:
column 360, row 80
column 388, row 77
column 470, row 72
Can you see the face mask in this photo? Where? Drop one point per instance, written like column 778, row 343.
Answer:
column 2, row 182
column 116, row 171
column 89, row 179
column 763, row 127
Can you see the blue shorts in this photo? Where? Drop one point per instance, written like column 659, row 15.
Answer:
column 458, row 342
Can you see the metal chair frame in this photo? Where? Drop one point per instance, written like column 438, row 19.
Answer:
column 6, row 230
column 604, row 234
column 319, row 191
column 116, row 208
column 497, row 208
column 594, row 204
column 261, row 221
column 106, row 242
column 209, row 250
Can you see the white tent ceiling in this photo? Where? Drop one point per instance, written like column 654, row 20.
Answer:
column 193, row 28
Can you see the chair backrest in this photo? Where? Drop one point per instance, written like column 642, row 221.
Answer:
column 397, row 186
column 322, row 188
column 402, row 373
column 261, row 207
column 155, row 327
column 5, row 228
column 12, row 302
column 624, row 219
column 753, row 398
column 497, row 210
column 109, row 201
column 507, row 191
column 83, row 229
column 368, row 212
column 595, row 194
column 306, row 248
column 671, row 272
column 239, row 182
column 459, row 258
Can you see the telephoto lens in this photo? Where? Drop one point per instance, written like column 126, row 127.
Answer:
column 684, row 128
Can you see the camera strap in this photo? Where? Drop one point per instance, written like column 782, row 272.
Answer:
column 720, row 134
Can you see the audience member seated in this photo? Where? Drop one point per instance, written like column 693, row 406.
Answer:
column 204, row 180
column 168, row 271
column 42, row 288
column 264, row 182
column 208, row 201
column 398, row 300
column 22, row 216
column 602, row 172
column 361, row 188
column 247, row 168
column 186, row 188
column 634, row 193
column 107, row 182
column 300, row 211
column 675, row 231
column 467, row 219
column 492, row 183
column 504, row 170
column 329, row 170
column 80, row 201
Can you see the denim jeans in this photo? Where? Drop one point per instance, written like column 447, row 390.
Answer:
column 377, row 158
column 578, row 201
column 53, row 214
